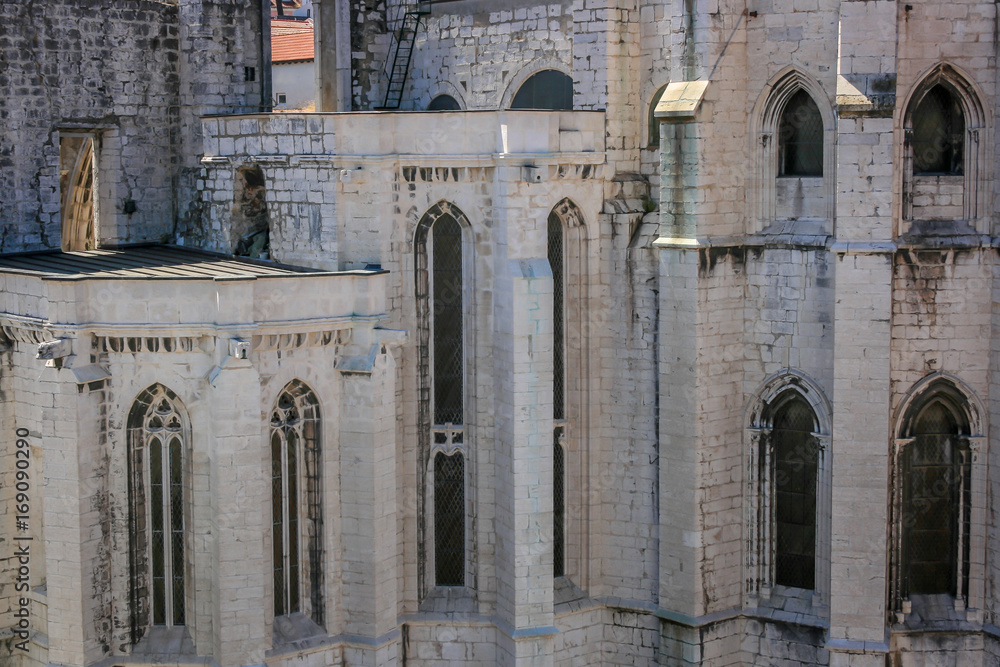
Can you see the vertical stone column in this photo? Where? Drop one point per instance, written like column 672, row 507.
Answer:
column 523, row 349
column 368, row 505
column 681, row 549
column 860, row 460
column 72, row 477
column 332, row 21
column 241, row 491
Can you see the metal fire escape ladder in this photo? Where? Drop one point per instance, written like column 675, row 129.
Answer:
column 405, row 40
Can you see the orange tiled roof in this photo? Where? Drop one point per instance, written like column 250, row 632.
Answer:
column 290, row 48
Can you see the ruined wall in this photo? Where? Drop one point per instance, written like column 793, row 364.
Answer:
column 135, row 76
column 76, row 67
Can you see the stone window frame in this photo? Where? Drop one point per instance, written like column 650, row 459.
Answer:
column 965, row 400
column 569, row 433
column 138, row 434
column 311, row 552
column 530, row 70
column 439, row 89
column 764, row 149
column 72, row 236
column 759, row 589
column 652, row 123
column 976, row 149
column 457, row 439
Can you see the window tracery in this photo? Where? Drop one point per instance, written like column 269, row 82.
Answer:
column 158, row 441
column 296, row 508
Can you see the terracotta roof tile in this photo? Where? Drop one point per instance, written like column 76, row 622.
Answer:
column 291, row 48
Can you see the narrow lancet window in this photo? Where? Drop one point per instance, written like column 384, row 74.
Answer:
column 157, row 438
column 296, row 511
column 556, row 260
column 447, row 362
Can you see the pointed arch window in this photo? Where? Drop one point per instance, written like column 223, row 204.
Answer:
column 441, row 302
column 933, row 525
column 793, row 157
column 296, row 507
column 157, row 457
column 556, row 260
column 943, row 156
column 787, row 493
column 800, row 135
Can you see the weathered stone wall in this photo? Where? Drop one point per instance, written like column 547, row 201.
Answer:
column 136, row 76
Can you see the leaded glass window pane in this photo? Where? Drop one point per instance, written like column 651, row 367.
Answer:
column 159, row 561
column 796, row 463
column 176, row 532
column 938, row 133
column 801, row 137
column 548, row 89
column 278, row 523
column 558, row 317
column 931, row 472
column 558, row 505
column 448, row 353
column 449, row 520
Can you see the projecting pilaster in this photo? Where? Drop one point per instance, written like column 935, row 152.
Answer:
column 524, row 463
column 368, row 504
column 862, row 335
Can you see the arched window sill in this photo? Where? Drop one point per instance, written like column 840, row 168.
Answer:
column 794, row 605
column 294, row 629
column 447, row 599
column 567, row 596
column 936, row 612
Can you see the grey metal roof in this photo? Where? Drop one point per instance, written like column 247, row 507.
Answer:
column 160, row 261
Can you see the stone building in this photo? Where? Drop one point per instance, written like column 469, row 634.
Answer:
column 582, row 332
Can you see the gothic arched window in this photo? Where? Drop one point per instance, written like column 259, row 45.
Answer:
column 296, row 506
column 441, row 288
column 157, row 454
column 556, row 261
column 793, row 165
column 938, row 133
column 787, row 493
column 934, row 469
column 800, row 137
column 548, row 89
